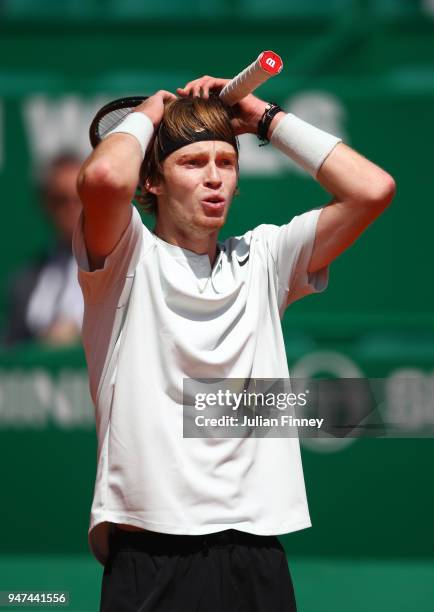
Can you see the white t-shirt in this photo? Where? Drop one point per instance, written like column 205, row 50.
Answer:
column 156, row 313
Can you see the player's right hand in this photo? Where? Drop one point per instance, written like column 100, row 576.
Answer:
column 153, row 107
column 248, row 111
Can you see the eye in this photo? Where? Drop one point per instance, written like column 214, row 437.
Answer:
column 193, row 162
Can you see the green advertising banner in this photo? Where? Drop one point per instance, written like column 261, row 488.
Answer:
column 367, row 497
column 369, row 81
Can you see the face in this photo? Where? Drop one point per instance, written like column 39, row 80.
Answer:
column 198, row 186
column 61, row 199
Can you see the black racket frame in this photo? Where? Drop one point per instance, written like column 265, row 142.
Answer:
column 127, row 102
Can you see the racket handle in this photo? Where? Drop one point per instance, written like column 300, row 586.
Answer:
column 268, row 64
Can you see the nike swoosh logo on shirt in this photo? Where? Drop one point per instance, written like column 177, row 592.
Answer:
column 245, row 260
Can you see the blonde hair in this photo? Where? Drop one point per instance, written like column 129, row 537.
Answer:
column 182, row 118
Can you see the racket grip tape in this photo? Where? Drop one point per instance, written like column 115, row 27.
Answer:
column 267, row 64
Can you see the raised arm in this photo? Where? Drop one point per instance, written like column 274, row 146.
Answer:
column 361, row 190
column 107, row 183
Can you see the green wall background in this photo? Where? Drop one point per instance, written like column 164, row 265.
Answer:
column 374, row 498
column 368, row 498
column 380, row 72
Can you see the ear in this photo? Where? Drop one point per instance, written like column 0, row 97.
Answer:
column 155, row 188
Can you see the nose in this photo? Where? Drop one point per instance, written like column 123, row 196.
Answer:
column 212, row 176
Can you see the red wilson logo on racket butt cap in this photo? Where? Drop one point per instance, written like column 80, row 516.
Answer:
column 270, row 62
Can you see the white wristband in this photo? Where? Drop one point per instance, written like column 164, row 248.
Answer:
column 138, row 125
column 302, row 142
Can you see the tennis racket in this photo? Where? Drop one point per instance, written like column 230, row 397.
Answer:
column 267, row 64
column 110, row 116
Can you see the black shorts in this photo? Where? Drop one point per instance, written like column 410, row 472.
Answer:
column 229, row 571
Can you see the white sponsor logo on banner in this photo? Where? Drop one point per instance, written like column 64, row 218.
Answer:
column 59, row 124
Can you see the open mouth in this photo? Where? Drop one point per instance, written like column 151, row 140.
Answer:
column 215, row 199
column 214, row 204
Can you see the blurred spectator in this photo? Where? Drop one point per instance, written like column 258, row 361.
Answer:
column 45, row 300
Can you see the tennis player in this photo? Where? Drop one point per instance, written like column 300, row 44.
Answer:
column 191, row 524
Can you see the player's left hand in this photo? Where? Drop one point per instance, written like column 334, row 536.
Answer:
column 248, row 111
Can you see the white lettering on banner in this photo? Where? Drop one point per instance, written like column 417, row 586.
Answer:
column 58, row 124
column 264, row 161
column 20, row 407
column 410, row 398
column 36, row 399
column 428, row 7
column 71, row 400
column 322, row 109
column 337, row 365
